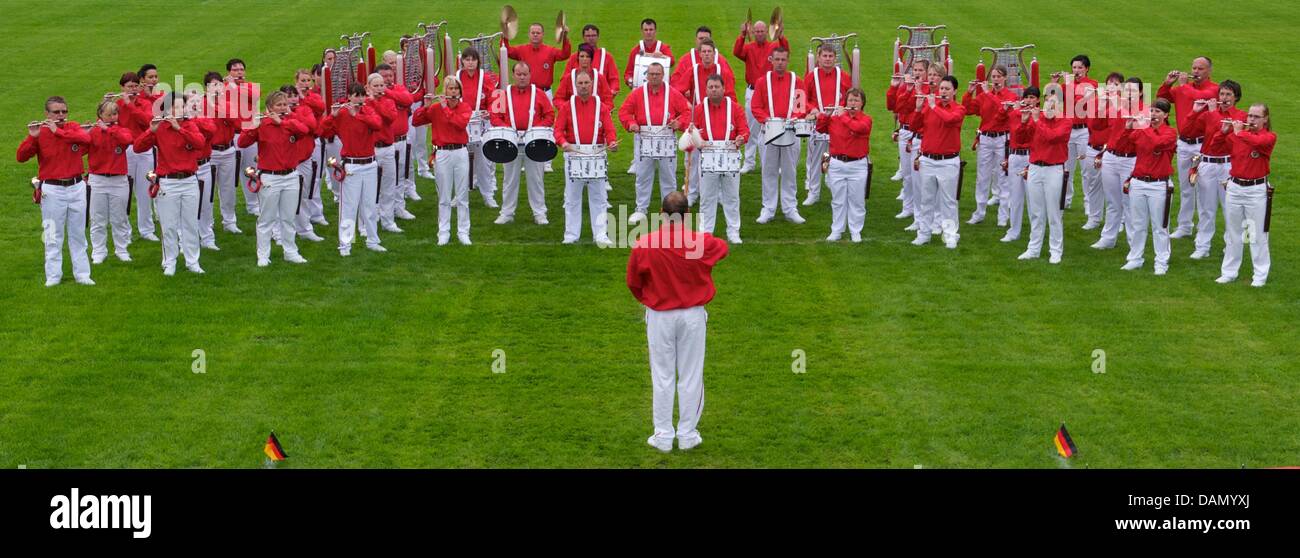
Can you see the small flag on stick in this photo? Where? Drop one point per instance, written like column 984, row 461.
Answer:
column 273, row 449
column 1064, row 445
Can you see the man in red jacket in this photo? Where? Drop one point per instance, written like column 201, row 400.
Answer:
column 1183, row 89
column 583, row 127
column 758, row 60
column 670, row 272
column 59, row 146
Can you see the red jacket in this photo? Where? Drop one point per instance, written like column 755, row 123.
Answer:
column 755, row 57
column 315, row 102
column 1155, row 151
column 988, row 106
column 541, row 60
column 58, row 154
column 1049, row 139
column 176, row 148
column 1208, row 123
column 446, row 126
column 634, row 111
column 305, row 144
column 603, row 62
column 718, row 119
column 137, row 114
column 206, row 128
column 640, row 47
column 850, row 133
column 276, row 143
column 108, row 149
column 543, row 112
column 685, row 82
column 1020, row 137
column 1184, row 98
column 566, row 89
column 567, row 131
column 224, row 127
column 477, row 89
column 780, row 97
column 402, row 101
column 672, row 267
column 686, row 65
column 387, row 111
column 942, row 126
column 1251, row 152
column 835, row 84
column 357, row 132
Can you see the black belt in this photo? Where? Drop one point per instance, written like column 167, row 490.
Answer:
column 1101, row 148
column 1078, row 126
column 1250, row 181
column 994, row 134
column 1223, row 159
column 382, row 144
column 451, row 146
column 1126, row 155
column 276, row 173
column 1019, row 152
column 176, row 175
column 846, row 158
column 1193, row 141
column 399, row 138
column 358, row 161
column 1149, row 178
column 222, row 146
column 62, row 181
column 939, row 156
column 108, row 175
column 203, row 161
column 1045, row 164
column 905, row 127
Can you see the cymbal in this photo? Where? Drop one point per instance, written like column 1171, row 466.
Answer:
column 561, row 23
column 509, row 22
column 774, row 27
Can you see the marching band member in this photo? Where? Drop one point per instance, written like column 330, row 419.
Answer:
column 1098, row 121
column 985, row 99
column 303, row 151
column 583, row 122
column 525, row 107
column 1248, row 206
column 203, row 161
column 1017, row 163
column 58, row 145
column 482, row 85
column 850, row 149
column 357, row 125
column 1048, row 132
column 277, row 162
column 934, row 75
column 1215, row 161
column 653, row 104
column 447, row 122
column 691, row 83
column 416, row 140
column 386, row 107
column 242, row 98
column 686, row 64
column 1080, row 65
column 824, row 86
column 757, row 57
column 1149, row 188
column 309, row 94
column 392, row 204
column 601, row 60
column 650, row 46
column 720, row 118
column 582, row 61
column 1183, row 90
column 1118, row 160
column 109, row 188
column 940, row 163
column 900, row 99
column 176, row 141
column 221, row 178
column 539, row 58
column 331, row 145
column 775, row 97
column 136, row 111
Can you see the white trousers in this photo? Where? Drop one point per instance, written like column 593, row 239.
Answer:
column 388, row 193
column 1186, row 192
column 780, row 178
column 223, row 163
column 451, row 171
column 206, row 198
column 510, row 186
column 755, row 137
column 138, row 165
column 333, row 148
column 1210, row 195
column 693, row 177
column 938, row 186
column 358, row 203
column 63, row 214
column 316, row 201
column 485, row 172
column 1244, row 208
column 178, row 212
column 1094, row 197
column 1077, row 146
column 597, row 203
column 1013, row 202
column 1114, row 171
column 419, row 138
column 724, row 187
column 279, row 202
column 848, row 184
column 1147, row 207
column 676, row 341
column 988, row 170
column 308, row 176
column 905, row 159
column 813, row 167
column 645, row 168
column 108, row 208
column 1045, row 188
column 405, row 170
column 247, row 158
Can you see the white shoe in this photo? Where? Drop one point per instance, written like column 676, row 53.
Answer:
column 1002, row 222
column 921, row 238
column 52, row 282
column 1200, row 254
column 975, row 219
column 97, row 260
column 1054, row 259
column 233, row 229
column 688, row 443
column 376, row 248
column 636, row 217
column 1180, row 233
column 833, row 237
column 295, row 258
column 1102, row 245
column 1008, row 238
column 443, row 240
column 764, row 218
column 609, row 187
column 150, row 237
column 320, row 221
column 345, row 252
column 795, row 218
column 85, row 281
column 1027, row 255
column 899, row 197
column 211, row 246
column 855, row 237
column 169, row 271
column 898, row 175
column 903, row 215
column 569, row 241
column 1161, row 271
column 662, row 444
column 994, row 201
column 311, row 235
column 541, row 220
column 392, row 227
column 194, row 269
column 911, row 227
column 404, row 215
column 734, row 239
column 1257, row 283
column 749, row 167
column 414, row 196
column 503, row 219
column 1131, row 265
column 464, row 239
column 1223, row 279
column 811, row 200
column 124, row 257
column 426, row 175
column 263, row 262
column 604, row 242
column 548, row 167
column 951, row 244
column 491, row 203
column 631, row 169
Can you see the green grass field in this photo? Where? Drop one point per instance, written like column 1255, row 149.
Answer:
column 965, row 358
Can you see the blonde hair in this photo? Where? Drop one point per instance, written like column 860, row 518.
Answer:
column 105, row 106
column 446, row 82
column 276, row 97
column 1268, row 121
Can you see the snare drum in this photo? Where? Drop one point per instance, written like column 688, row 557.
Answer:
column 656, row 142
column 778, row 132
column 501, row 144
column 539, row 144
column 804, row 128
column 478, row 123
column 642, row 64
column 720, row 157
column 587, row 163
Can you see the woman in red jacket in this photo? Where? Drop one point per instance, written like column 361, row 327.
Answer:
column 277, row 162
column 358, row 127
column 1149, row 189
column 1248, row 206
column 940, row 117
column 108, row 184
column 1048, row 134
column 177, row 143
column 448, row 122
column 850, row 147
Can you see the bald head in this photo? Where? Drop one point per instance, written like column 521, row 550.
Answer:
column 675, row 204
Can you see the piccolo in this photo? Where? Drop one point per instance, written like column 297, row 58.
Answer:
column 337, row 106
column 1235, row 122
column 89, row 125
column 269, row 114
column 112, row 96
column 158, row 119
column 36, row 123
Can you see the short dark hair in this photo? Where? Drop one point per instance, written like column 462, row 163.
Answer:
column 230, row 64
column 650, row 21
column 675, row 203
column 357, row 89
column 1031, row 91
column 1087, row 62
column 382, row 66
column 780, row 48
column 951, row 79
column 470, row 53
column 316, row 68
column 709, row 43
column 857, row 92
column 1232, row 86
column 1115, row 76
column 703, row 29
column 145, row 69
column 717, row 78
column 128, row 77
column 590, row 50
column 289, row 89
column 210, row 76
column 54, row 99
column 590, row 27
column 1162, row 104
column 826, row 48
column 1134, row 80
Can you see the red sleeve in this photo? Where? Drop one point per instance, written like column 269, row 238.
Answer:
column 512, row 52
column 607, row 123
column 631, row 62
column 634, row 282
column 950, row 118
column 605, row 93
column 147, row 140
column 423, row 116
column 562, row 125
column 327, row 130
column 1168, row 141
column 739, row 121
column 459, row 116
column 295, row 125
column 627, row 112
column 74, row 133
column 1165, row 92
column 368, row 116
column 1260, row 141
column 565, row 52
column 1022, row 132
column 823, row 123
column 681, row 107
column 1195, row 125
column 401, row 98
column 545, row 112
column 120, row 136
column 562, row 91
column 859, row 126
column 386, row 110
column 759, row 104
column 739, row 49
column 316, row 104
column 970, row 102
column 1050, row 133
column 27, row 149
column 192, row 134
column 889, row 98
column 611, row 77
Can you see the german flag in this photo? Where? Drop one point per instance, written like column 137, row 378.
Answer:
column 1064, row 445
column 273, row 449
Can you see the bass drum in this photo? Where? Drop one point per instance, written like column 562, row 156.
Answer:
column 539, row 144
column 501, row 144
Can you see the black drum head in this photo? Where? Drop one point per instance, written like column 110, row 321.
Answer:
column 541, row 150
column 500, row 151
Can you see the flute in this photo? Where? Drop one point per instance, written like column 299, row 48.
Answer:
column 90, row 125
column 338, row 106
column 158, row 119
